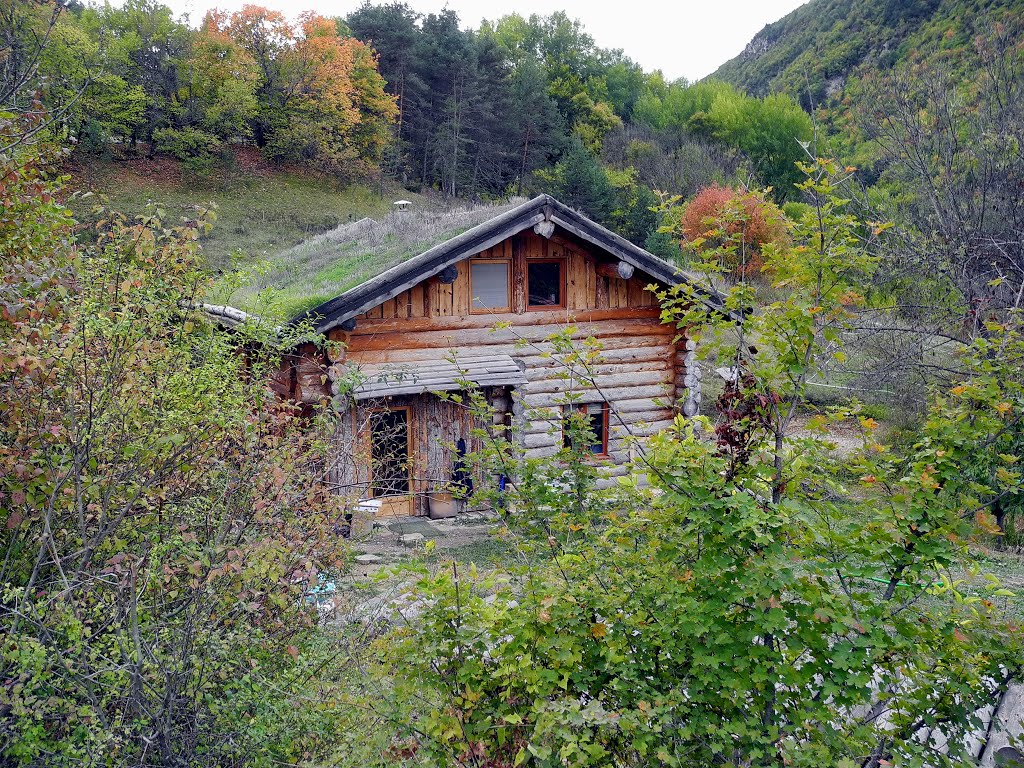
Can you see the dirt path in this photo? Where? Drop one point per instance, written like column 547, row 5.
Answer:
column 392, row 541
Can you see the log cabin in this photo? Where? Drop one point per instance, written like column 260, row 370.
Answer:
column 481, row 307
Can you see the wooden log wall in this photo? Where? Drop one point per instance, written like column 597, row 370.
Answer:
column 645, row 372
column 635, row 373
column 688, row 377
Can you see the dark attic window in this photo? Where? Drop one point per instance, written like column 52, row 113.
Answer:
column 545, row 284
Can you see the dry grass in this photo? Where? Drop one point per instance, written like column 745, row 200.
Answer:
column 261, row 211
column 329, row 264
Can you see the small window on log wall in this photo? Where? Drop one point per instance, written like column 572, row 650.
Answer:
column 489, row 281
column 594, row 419
column 545, row 284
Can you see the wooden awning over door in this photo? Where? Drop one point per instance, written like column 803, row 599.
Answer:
column 419, row 376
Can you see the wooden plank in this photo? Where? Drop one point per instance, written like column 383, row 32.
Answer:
column 542, row 440
column 419, row 467
column 403, row 305
column 444, row 299
column 556, row 318
column 619, row 287
column 477, row 337
column 541, row 453
column 635, row 290
column 549, row 372
column 518, row 274
column 619, row 435
column 624, row 407
column 612, row 394
column 536, row 246
column 358, row 353
column 575, row 280
column 590, row 286
column 416, row 301
column 395, row 506
column 640, row 355
column 637, row 379
column 601, row 300
column 429, row 297
column 373, row 313
column 461, row 291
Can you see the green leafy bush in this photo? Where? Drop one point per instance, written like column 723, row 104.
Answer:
column 162, row 527
column 186, row 143
column 748, row 610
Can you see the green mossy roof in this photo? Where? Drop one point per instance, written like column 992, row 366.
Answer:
column 327, row 265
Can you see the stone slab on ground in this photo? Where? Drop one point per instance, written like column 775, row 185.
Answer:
column 404, row 525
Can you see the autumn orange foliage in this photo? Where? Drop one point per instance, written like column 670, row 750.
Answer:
column 718, row 216
column 325, row 93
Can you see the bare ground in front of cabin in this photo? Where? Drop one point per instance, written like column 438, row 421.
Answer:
column 381, row 593
column 456, row 536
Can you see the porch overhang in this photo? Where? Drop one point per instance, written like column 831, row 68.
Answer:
column 419, row 377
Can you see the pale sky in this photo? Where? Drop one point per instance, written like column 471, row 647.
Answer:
column 686, row 38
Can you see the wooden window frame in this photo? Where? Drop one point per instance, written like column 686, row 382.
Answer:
column 561, row 262
column 474, row 310
column 409, row 442
column 582, row 408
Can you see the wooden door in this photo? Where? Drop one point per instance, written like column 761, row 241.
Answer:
column 391, row 458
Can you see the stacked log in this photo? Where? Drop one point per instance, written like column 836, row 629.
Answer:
column 688, row 376
column 280, row 382
column 311, row 379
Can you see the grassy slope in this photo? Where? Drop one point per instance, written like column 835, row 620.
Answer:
column 260, row 211
column 329, row 264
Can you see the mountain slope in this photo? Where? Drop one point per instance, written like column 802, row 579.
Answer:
column 811, row 53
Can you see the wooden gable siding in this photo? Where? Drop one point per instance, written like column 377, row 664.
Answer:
column 584, row 288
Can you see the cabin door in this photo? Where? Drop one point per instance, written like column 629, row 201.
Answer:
column 391, row 461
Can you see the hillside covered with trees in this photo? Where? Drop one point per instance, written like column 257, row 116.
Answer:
column 821, row 563
column 816, row 52
column 389, row 96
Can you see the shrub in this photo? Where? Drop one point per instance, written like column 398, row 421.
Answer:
column 747, row 612
column 186, row 143
column 161, row 525
column 718, row 216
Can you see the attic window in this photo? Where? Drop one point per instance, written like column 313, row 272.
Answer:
column 489, row 283
column 545, row 284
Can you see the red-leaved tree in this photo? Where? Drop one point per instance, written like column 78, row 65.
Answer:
column 718, row 216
